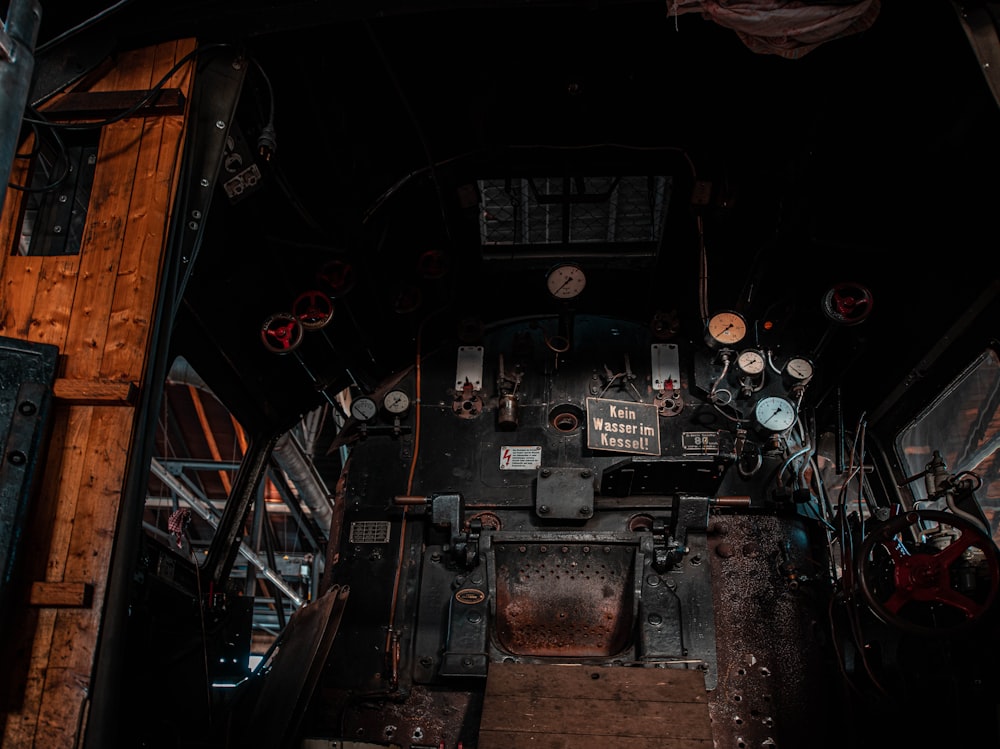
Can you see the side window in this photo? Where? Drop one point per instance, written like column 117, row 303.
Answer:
column 198, row 450
column 963, row 428
column 60, row 175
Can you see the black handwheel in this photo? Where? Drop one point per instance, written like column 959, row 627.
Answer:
column 928, row 572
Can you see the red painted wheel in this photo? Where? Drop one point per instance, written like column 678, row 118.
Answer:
column 314, row 309
column 928, row 572
column 848, row 303
column 281, row 333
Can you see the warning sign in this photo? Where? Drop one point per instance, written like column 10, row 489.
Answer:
column 520, row 457
column 623, row 426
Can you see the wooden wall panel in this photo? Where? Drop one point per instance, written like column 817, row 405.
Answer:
column 98, row 307
column 129, row 324
column 56, row 287
column 104, row 232
column 87, row 558
column 17, row 295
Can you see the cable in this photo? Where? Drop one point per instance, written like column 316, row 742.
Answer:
column 97, row 17
column 61, row 153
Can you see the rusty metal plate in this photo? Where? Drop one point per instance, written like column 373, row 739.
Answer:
column 564, row 599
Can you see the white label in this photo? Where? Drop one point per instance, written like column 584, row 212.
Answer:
column 520, row 457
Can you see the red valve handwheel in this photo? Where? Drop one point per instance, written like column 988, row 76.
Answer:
column 847, row 303
column 925, row 587
column 314, row 309
column 339, row 276
column 281, row 333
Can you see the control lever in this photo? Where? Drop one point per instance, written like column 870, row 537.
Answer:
column 447, row 512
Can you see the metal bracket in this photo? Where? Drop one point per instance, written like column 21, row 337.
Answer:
column 565, row 493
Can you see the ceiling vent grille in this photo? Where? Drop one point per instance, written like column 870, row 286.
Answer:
column 538, row 215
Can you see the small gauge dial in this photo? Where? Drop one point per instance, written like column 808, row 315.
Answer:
column 725, row 329
column 363, row 408
column 566, row 281
column 396, row 402
column 750, row 362
column 798, row 369
column 774, row 413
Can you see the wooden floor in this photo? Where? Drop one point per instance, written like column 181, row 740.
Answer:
column 568, row 707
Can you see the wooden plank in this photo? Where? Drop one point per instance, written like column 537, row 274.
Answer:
column 21, row 726
column 104, row 231
column 100, row 492
column 54, row 293
column 597, row 716
column 57, row 595
column 95, row 392
column 96, row 105
column 74, row 638
column 133, row 304
column 571, row 706
column 515, row 740
column 575, row 682
column 17, row 295
column 68, row 467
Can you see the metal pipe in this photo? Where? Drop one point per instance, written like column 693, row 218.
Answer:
column 164, row 475
column 17, row 65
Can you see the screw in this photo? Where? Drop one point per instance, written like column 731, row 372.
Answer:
column 27, row 408
column 543, row 510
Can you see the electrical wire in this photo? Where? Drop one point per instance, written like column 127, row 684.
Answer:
column 82, row 26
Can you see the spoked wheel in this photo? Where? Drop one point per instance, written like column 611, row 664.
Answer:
column 928, row 572
column 281, row 333
column 847, row 303
column 314, row 309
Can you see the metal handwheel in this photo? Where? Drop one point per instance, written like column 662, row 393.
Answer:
column 928, row 571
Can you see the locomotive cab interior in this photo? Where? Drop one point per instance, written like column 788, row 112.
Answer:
column 616, row 374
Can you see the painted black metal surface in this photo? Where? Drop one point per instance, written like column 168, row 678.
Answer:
column 27, row 374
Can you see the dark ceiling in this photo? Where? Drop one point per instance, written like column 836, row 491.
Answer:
column 868, row 159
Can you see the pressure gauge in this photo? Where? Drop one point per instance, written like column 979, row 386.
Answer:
column 566, row 281
column 750, row 362
column 798, row 370
column 396, row 402
column 725, row 329
column 774, row 413
column 363, row 408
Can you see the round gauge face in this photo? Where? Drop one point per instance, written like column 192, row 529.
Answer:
column 750, row 362
column 566, row 281
column 396, row 402
column 363, row 408
column 799, row 368
column 726, row 328
column 774, row 413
